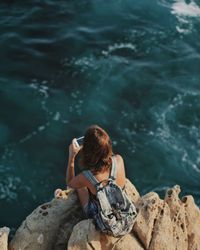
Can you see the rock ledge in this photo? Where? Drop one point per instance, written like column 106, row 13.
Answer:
column 169, row 224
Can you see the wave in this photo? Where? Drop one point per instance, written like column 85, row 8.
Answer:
column 182, row 8
column 119, row 46
column 184, row 12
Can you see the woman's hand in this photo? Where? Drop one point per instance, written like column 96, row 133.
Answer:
column 73, row 149
column 58, row 193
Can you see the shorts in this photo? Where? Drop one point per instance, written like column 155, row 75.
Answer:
column 90, row 209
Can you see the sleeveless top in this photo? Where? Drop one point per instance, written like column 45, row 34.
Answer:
column 88, row 174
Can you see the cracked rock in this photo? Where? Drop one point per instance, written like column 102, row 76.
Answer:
column 169, row 224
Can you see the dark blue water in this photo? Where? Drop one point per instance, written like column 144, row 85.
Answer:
column 133, row 67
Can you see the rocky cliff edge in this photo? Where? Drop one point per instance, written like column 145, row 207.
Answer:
column 169, row 224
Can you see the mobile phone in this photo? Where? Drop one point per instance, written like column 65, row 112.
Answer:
column 79, row 141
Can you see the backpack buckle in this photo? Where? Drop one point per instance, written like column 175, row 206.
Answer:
column 111, row 179
column 99, row 186
column 117, row 214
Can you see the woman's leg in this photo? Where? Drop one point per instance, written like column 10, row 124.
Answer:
column 83, row 196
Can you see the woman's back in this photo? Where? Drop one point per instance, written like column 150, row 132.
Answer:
column 96, row 155
column 98, row 187
column 104, row 174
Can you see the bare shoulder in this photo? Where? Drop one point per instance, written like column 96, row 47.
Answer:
column 83, row 179
column 120, row 162
column 121, row 175
column 119, row 159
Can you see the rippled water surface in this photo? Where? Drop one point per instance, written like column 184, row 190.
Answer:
column 132, row 67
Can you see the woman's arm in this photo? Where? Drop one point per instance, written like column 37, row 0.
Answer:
column 72, row 180
column 70, row 173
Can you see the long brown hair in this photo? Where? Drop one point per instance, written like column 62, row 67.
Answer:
column 97, row 149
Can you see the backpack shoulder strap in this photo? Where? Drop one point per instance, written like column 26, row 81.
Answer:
column 113, row 173
column 88, row 174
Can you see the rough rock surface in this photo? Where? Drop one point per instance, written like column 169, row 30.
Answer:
column 84, row 236
column 41, row 228
column 4, row 231
column 169, row 224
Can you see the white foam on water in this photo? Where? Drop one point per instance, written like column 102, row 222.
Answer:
column 40, row 88
column 184, row 157
column 194, row 166
column 194, row 131
column 75, row 94
column 43, row 90
column 183, row 31
column 151, row 133
column 184, row 12
column 8, row 188
column 182, row 8
column 118, row 46
column 8, row 152
column 35, row 132
column 160, row 188
column 40, row 128
column 57, row 116
column 192, row 163
column 85, row 63
column 163, row 131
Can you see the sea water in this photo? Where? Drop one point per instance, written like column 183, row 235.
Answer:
column 133, row 67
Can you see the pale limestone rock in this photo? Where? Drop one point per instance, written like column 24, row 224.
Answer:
column 85, row 237
column 127, row 242
column 39, row 230
column 4, row 232
column 132, row 192
column 66, row 229
column 162, row 233
column 169, row 224
column 192, row 222
column 148, row 210
column 177, row 215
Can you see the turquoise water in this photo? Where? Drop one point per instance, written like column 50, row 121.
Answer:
column 133, row 67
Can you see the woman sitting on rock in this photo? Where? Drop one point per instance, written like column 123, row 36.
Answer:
column 101, row 168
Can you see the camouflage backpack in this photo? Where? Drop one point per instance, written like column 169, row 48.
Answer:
column 116, row 213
